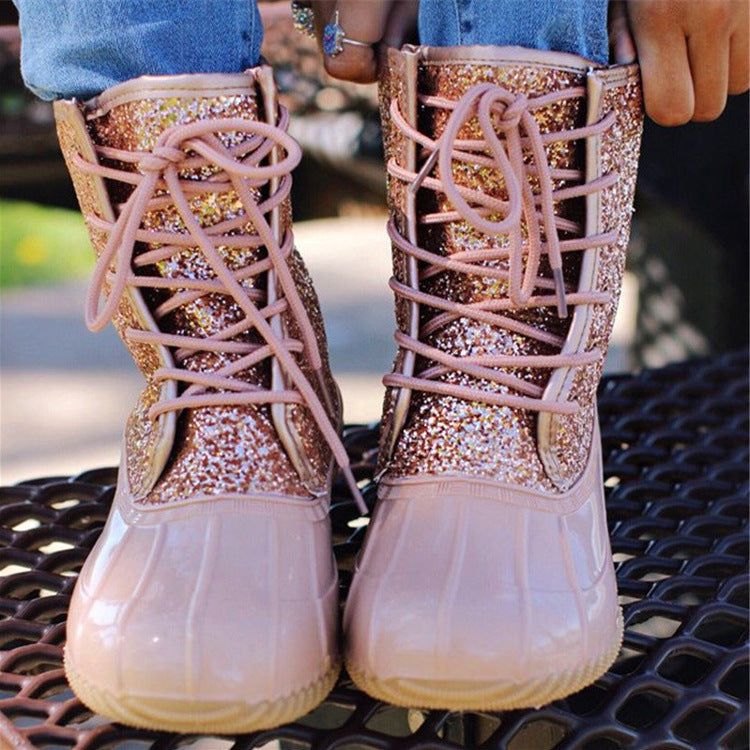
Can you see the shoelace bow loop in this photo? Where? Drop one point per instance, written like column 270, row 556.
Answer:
column 158, row 183
column 511, row 142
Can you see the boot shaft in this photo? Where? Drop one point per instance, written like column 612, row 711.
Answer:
column 222, row 139
column 526, row 422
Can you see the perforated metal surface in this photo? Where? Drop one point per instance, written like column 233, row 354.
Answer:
column 676, row 468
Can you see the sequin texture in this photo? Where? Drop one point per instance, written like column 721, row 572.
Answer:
column 216, row 449
column 445, row 434
column 620, row 149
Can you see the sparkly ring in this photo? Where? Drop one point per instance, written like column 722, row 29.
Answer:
column 334, row 38
column 303, row 18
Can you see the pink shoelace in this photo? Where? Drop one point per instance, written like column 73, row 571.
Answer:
column 240, row 168
column 509, row 132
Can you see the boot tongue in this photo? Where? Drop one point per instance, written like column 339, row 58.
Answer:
column 459, row 236
column 218, row 449
column 447, row 434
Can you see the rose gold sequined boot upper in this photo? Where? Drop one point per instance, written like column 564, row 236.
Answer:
column 210, row 600
column 473, row 271
column 243, row 425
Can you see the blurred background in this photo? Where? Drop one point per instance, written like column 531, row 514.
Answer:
column 65, row 393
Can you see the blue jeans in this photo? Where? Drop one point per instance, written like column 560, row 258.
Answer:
column 577, row 26
column 81, row 47
column 78, row 48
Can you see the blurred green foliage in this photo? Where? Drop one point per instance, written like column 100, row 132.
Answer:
column 41, row 245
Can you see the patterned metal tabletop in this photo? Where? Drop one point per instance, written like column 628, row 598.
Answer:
column 676, row 470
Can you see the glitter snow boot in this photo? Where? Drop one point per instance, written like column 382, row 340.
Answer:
column 486, row 581
column 209, row 602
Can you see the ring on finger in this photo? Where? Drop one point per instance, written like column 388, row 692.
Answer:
column 334, row 38
column 303, row 18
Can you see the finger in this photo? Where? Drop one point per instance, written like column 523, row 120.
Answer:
column 739, row 63
column 739, row 52
column 665, row 71
column 621, row 44
column 322, row 11
column 709, row 66
column 402, row 20
column 363, row 21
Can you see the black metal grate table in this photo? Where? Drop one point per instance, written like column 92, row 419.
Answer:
column 676, row 469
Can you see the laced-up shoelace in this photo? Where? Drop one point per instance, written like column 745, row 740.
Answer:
column 509, row 131
column 239, row 168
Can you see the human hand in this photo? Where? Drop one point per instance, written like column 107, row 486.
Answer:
column 692, row 54
column 372, row 21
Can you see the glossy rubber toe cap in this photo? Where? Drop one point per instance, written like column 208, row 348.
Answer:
column 469, row 581
column 220, row 600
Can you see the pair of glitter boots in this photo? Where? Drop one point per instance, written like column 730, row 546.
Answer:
column 210, row 602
